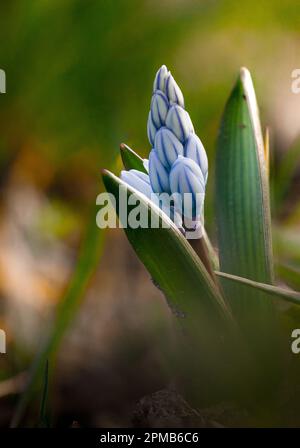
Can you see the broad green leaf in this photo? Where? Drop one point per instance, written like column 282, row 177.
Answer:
column 273, row 291
column 176, row 268
column 242, row 197
column 243, row 215
column 66, row 311
column 181, row 276
column 131, row 160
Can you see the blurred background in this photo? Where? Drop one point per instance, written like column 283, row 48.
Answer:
column 79, row 82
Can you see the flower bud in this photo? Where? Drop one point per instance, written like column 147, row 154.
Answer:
column 151, row 129
column 146, row 164
column 173, row 91
column 159, row 108
column 179, row 122
column 188, row 187
column 160, row 79
column 168, row 147
column 138, row 180
column 158, row 174
column 194, row 150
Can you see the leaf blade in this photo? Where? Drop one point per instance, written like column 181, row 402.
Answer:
column 242, row 196
column 131, row 160
column 273, row 291
column 198, row 304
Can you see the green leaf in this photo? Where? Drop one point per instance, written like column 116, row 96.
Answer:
column 273, row 291
column 243, row 211
column 243, row 216
column 181, row 276
column 43, row 420
column 88, row 260
column 131, row 160
column 177, row 270
column 285, row 173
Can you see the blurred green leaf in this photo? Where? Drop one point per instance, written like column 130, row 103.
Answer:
column 284, row 175
column 43, row 420
column 289, row 274
column 88, row 260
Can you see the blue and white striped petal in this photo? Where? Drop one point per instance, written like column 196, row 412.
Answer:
column 159, row 108
column 151, row 130
column 188, row 187
column 179, row 122
column 138, row 180
column 173, row 91
column 194, row 150
column 160, row 79
column 159, row 177
column 168, row 146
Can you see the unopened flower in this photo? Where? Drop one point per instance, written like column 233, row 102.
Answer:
column 177, row 162
column 175, row 144
column 188, row 187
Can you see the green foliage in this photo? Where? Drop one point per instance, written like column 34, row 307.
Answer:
column 243, row 213
column 131, row 160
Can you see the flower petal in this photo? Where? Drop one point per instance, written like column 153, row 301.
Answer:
column 158, row 174
column 151, row 129
column 187, row 186
column 194, row 150
column 160, row 79
column 179, row 122
column 168, row 146
column 138, row 180
column 173, row 91
column 159, row 108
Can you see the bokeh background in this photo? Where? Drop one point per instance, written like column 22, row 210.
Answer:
column 79, row 82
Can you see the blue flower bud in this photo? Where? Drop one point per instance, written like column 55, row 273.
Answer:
column 168, row 147
column 194, row 150
column 179, row 122
column 151, row 129
column 158, row 174
column 159, row 108
column 188, row 187
column 146, row 164
column 160, row 79
column 138, row 180
column 173, row 91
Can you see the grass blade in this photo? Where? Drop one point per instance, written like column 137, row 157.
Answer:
column 87, row 262
column 43, row 420
column 273, row 291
